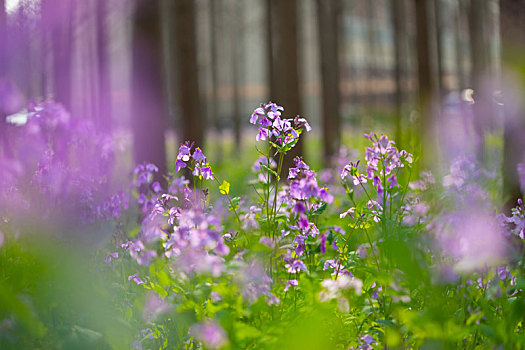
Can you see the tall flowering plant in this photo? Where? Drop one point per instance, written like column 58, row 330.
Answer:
column 228, row 272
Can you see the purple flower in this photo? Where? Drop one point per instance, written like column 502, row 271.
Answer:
column 198, row 156
column 156, row 187
column 295, row 266
column 179, row 164
column 290, row 283
column 300, row 122
column 323, row 243
column 263, row 134
column 265, row 122
column 155, row 306
column 392, row 181
column 258, row 112
column 325, row 196
column 210, row 333
column 299, row 207
column 135, row 279
column 267, row 241
column 206, row 173
column 303, row 223
column 368, row 339
column 109, row 257
column 346, row 213
column 503, row 273
column 152, row 168
column 254, row 282
column 360, row 179
column 185, row 151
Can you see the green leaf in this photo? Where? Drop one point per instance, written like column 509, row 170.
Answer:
column 246, row 332
column 270, row 170
column 520, row 282
column 159, row 290
column 225, row 187
column 320, row 210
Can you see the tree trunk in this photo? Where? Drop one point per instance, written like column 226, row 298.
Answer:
column 237, row 52
column 61, row 42
column 479, row 57
column 371, row 50
column 286, row 62
column 458, row 43
column 426, row 77
column 3, row 78
column 438, row 14
column 148, row 102
column 104, row 115
column 512, row 26
column 214, row 37
column 187, row 73
column 270, row 33
column 400, row 51
column 328, row 26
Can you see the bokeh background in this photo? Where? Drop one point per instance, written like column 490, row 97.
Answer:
column 159, row 72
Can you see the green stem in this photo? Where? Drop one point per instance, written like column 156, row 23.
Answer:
column 276, row 189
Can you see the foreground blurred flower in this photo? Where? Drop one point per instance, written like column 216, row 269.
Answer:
column 210, row 333
column 155, row 306
column 471, row 238
column 255, row 283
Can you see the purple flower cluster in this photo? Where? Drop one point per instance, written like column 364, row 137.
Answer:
column 470, row 239
column 254, row 283
column 285, row 131
column 196, row 242
column 303, row 198
column 366, row 342
column 148, row 191
column 515, row 224
column 196, row 162
column 381, row 160
column 56, row 170
column 113, row 206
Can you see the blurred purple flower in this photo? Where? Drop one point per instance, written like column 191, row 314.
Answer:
column 154, row 306
column 135, row 279
column 210, row 333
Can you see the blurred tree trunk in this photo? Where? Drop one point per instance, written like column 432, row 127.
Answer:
column 23, row 46
column 104, row 113
column 3, row 77
column 187, row 72
column 399, row 17
column 439, row 6
column 479, row 54
column 347, row 45
column 328, row 21
column 371, row 49
column 286, row 67
column 512, row 27
column 270, row 33
column 237, row 52
column 458, row 45
column 426, row 77
column 148, row 99
column 214, row 37
column 60, row 15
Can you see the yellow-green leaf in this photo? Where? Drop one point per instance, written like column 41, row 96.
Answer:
column 225, row 187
